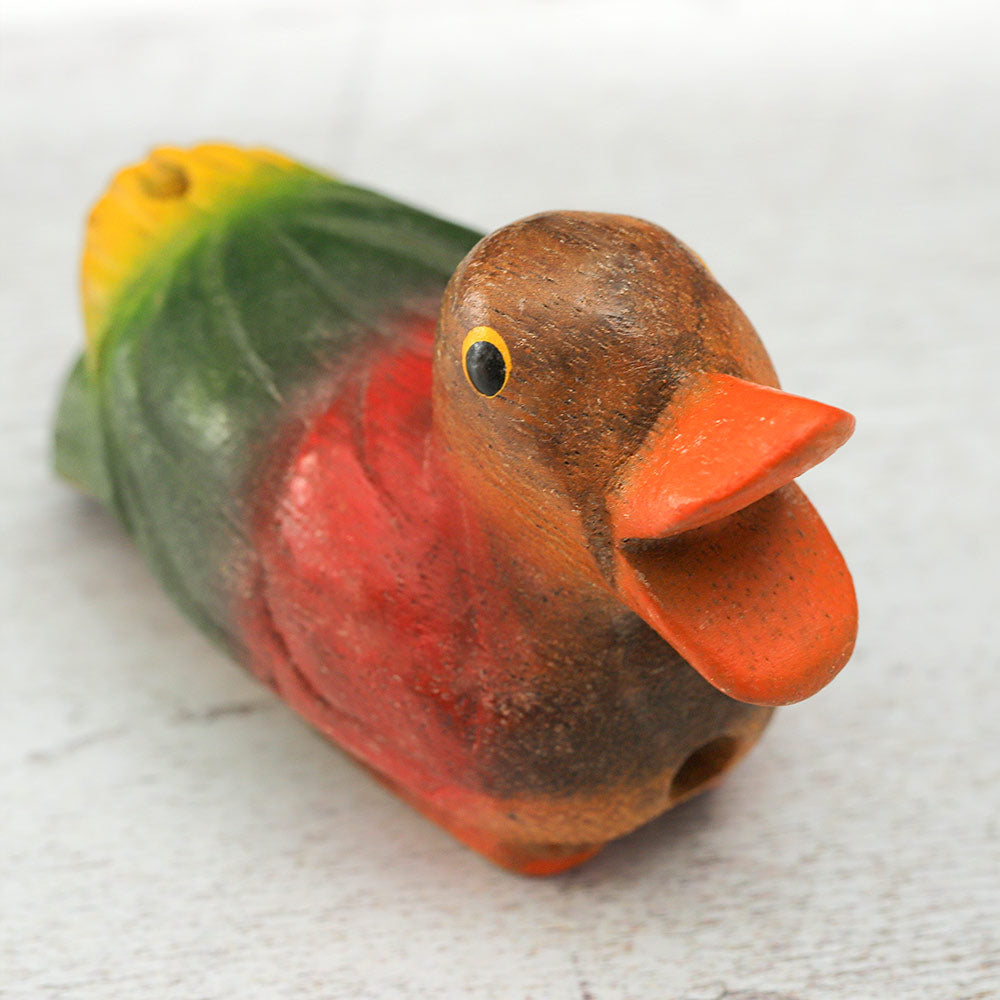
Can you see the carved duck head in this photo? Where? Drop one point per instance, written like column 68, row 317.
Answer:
column 617, row 413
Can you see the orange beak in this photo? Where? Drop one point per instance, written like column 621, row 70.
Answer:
column 720, row 553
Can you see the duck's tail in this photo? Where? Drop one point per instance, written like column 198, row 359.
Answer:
column 148, row 216
column 152, row 211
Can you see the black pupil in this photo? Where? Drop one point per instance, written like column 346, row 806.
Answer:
column 486, row 367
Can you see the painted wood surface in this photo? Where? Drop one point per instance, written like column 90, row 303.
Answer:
column 526, row 544
column 213, row 848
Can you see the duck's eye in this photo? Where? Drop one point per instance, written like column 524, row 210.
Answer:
column 486, row 360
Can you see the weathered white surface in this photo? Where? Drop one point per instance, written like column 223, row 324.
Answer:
column 168, row 830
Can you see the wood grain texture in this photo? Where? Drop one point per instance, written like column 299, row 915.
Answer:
column 211, row 849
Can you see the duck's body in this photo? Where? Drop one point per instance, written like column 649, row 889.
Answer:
column 528, row 718
column 466, row 589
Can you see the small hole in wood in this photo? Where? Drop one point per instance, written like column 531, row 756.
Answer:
column 163, row 180
column 703, row 765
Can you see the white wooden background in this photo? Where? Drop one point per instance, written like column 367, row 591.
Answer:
column 168, row 830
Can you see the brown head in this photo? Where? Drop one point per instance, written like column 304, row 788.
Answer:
column 613, row 408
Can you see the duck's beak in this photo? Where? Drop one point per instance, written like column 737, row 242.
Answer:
column 722, row 554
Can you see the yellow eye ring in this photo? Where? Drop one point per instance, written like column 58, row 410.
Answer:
column 485, row 360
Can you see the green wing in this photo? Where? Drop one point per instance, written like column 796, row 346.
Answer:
column 206, row 330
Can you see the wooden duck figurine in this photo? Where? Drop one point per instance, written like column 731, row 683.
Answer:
column 527, row 546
